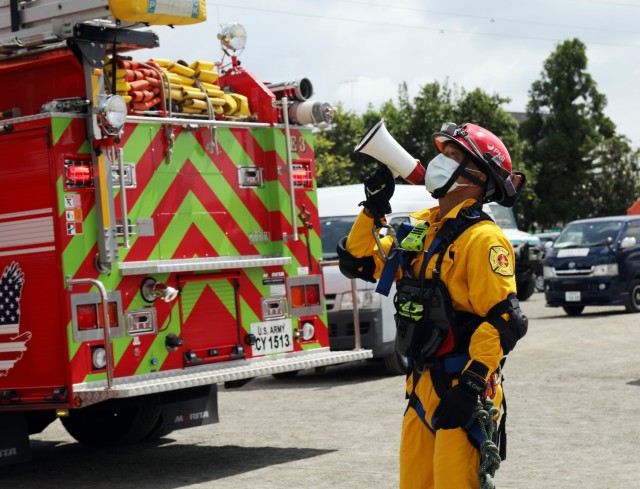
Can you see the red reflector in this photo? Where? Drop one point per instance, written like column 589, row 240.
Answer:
column 112, row 307
column 297, row 296
column 302, row 176
column 312, row 293
column 90, row 316
column 87, row 316
column 79, row 174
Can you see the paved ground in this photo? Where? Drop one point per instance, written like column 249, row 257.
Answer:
column 573, row 388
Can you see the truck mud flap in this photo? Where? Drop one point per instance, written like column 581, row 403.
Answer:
column 181, row 410
column 89, row 393
column 14, row 439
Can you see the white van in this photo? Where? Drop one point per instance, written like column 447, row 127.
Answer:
column 338, row 208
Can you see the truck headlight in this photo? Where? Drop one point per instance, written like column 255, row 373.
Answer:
column 609, row 269
column 548, row 272
column 367, row 299
column 112, row 114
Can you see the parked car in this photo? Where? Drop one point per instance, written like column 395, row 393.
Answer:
column 595, row 262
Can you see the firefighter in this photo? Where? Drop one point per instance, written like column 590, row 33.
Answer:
column 457, row 313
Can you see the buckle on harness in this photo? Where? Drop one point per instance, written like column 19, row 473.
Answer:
column 391, row 232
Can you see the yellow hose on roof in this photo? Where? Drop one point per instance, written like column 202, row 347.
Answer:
column 217, row 101
column 231, row 105
column 243, row 105
column 202, row 65
column 165, row 63
column 195, row 104
column 182, row 70
column 207, row 76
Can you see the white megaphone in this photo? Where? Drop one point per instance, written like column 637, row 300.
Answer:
column 379, row 144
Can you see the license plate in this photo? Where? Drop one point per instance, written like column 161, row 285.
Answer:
column 272, row 337
column 572, row 296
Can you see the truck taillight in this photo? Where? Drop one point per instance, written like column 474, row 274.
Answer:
column 78, row 174
column 302, row 174
column 87, row 316
column 305, row 295
column 90, row 316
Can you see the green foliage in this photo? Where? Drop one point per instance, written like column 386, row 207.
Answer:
column 564, row 126
column 334, row 150
column 613, row 185
column 576, row 165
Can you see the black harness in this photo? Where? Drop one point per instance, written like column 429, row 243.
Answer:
column 436, row 337
column 427, row 325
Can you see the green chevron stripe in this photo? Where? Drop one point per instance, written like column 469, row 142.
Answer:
column 157, row 350
column 222, row 289
column 58, row 127
column 248, row 316
column 60, row 195
column 141, row 138
column 237, row 154
column 191, row 212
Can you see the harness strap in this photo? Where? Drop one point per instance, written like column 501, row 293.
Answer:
column 396, row 257
column 453, row 228
column 442, row 373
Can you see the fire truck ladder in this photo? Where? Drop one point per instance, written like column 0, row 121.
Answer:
column 31, row 24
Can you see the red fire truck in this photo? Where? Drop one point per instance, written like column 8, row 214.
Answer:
column 158, row 228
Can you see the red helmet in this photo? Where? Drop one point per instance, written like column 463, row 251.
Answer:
column 491, row 156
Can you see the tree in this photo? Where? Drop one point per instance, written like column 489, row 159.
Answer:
column 614, row 184
column 565, row 124
column 412, row 124
column 334, row 146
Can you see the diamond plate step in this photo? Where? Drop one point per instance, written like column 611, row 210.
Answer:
column 93, row 392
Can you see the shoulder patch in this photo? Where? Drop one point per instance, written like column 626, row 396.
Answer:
column 500, row 260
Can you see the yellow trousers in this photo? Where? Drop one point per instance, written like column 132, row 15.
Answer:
column 445, row 459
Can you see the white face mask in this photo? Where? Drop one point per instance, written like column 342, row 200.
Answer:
column 439, row 170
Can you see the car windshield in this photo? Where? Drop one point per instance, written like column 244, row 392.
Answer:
column 587, row 234
column 333, row 229
column 503, row 216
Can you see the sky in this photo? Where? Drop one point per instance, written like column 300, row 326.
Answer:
column 358, row 52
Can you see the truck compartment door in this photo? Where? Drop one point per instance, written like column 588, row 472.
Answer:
column 210, row 323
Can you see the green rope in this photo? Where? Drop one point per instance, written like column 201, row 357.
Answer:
column 489, row 453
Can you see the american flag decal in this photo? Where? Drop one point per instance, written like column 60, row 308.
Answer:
column 13, row 344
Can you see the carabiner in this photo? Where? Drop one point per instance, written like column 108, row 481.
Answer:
column 391, row 232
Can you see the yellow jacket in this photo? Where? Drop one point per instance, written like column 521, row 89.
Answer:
column 478, row 270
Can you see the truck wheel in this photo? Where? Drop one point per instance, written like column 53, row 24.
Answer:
column 573, row 310
column 526, row 289
column 395, row 364
column 539, row 283
column 633, row 303
column 113, row 423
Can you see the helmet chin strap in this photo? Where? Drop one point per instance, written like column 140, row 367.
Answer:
column 460, row 171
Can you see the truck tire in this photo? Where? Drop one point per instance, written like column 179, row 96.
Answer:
column 633, row 303
column 113, row 422
column 539, row 280
column 526, row 289
column 573, row 310
column 395, row 364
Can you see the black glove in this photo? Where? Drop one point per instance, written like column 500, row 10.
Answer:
column 457, row 405
column 378, row 189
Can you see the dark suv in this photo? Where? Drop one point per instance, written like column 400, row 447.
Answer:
column 595, row 262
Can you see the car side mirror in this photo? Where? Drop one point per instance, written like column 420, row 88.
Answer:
column 628, row 242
